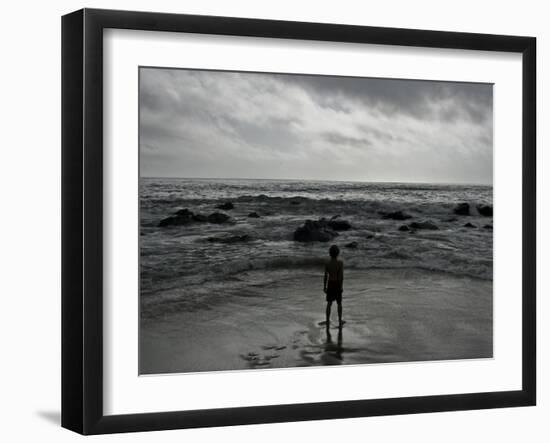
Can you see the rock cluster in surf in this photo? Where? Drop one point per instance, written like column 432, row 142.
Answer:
column 321, row 230
column 464, row 209
column 185, row 217
column 485, row 210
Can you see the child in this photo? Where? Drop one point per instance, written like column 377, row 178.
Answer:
column 333, row 282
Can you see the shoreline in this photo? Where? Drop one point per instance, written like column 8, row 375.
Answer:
column 395, row 315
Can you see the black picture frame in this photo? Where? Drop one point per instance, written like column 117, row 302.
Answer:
column 82, row 219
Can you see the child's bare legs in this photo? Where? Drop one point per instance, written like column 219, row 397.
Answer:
column 329, row 305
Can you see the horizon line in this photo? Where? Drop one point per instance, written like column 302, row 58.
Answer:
column 317, row 180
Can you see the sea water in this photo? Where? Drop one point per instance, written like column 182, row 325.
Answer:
column 183, row 270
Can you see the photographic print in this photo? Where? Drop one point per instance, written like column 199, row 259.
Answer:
column 291, row 220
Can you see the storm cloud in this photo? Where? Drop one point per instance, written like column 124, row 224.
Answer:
column 221, row 124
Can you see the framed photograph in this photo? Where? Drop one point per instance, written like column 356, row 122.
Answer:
column 269, row 221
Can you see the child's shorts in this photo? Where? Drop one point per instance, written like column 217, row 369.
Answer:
column 334, row 292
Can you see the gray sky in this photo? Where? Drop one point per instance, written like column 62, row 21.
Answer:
column 245, row 125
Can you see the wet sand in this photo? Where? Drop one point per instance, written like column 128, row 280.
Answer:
column 391, row 316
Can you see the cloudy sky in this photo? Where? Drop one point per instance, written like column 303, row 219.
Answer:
column 245, row 125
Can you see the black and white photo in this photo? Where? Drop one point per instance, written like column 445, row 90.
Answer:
column 291, row 220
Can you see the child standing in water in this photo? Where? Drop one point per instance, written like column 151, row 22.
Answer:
column 333, row 282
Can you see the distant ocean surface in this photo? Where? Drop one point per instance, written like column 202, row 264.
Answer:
column 181, row 269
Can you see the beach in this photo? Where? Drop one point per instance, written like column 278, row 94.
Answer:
column 391, row 316
column 246, row 291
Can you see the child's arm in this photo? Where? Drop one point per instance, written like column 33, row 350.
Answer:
column 341, row 274
column 325, row 280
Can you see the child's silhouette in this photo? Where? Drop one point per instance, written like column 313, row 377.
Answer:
column 333, row 282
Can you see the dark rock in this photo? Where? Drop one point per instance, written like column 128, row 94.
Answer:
column 488, row 227
column 218, row 217
column 253, row 215
column 230, row 239
column 226, row 206
column 334, row 217
column 462, row 209
column 485, row 210
column 200, row 218
column 470, row 225
column 314, row 231
column 180, row 218
column 403, row 228
column 185, row 217
column 339, row 225
column 183, row 213
column 294, row 202
column 168, row 221
column 352, row 245
column 397, row 215
column 423, row 225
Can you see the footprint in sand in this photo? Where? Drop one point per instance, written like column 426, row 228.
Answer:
column 276, row 347
column 257, row 360
column 261, row 363
column 250, row 357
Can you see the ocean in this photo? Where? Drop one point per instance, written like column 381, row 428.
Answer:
column 190, row 271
